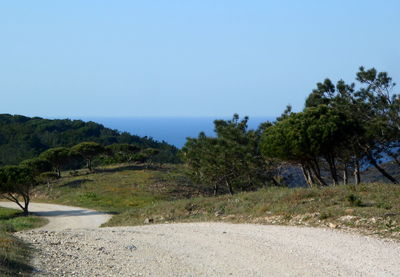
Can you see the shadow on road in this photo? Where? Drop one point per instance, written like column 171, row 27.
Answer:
column 68, row 213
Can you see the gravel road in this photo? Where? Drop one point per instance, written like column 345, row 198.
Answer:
column 64, row 217
column 207, row 249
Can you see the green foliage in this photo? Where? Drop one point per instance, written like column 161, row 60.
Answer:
column 88, row 151
column 37, row 165
column 122, row 152
column 47, row 177
column 375, row 109
column 354, row 200
column 231, row 159
column 340, row 128
column 23, row 137
column 58, row 157
column 146, row 155
column 16, row 182
column 305, row 137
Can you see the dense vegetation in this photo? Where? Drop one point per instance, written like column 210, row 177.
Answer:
column 23, row 138
column 343, row 128
column 231, row 159
column 31, row 138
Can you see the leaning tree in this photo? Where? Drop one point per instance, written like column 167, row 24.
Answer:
column 17, row 182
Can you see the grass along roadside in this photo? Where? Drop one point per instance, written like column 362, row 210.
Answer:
column 15, row 254
column 370, row 208
column 141, row 196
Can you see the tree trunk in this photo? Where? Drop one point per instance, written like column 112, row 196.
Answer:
column 26, row 212
column 310, row 176
column 229, row 186
column 357, row 176
column 275, row 182
column 89, row 165
column 345, row 175
column 332, row 168
column 317, row 173
column 393, row 156
column 58, row 172
column 215, row 189
column 26, row 203
column 381, row 170
column 14, row 199
column 307, row 175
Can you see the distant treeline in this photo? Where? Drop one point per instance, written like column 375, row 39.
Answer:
column 24, row 137
column 342, row 129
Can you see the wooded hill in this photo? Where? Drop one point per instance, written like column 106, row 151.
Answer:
column 24, row 137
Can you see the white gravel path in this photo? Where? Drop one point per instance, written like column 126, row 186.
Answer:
column 210, row 249
column 64, row 217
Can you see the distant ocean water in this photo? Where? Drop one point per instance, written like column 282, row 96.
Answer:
column 173, row 130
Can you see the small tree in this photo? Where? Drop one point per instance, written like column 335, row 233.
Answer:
column 88, row 151
column 231, row 159
column 58, row 157
column 146, row 155
column 122, row 152
column 17, row 182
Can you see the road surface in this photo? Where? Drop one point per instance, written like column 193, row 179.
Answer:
column 72, row 245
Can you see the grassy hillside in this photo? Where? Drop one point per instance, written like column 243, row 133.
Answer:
column 14, row 254
column 140, row 196
column 118, row 188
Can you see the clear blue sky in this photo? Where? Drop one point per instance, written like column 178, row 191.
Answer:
column 185, row 58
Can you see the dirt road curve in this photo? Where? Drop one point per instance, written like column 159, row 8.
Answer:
column 64, row 217
column 208, row 249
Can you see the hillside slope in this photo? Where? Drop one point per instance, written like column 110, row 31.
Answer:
column 24, row 137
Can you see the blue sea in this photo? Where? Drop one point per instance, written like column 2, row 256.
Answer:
column 173, row 130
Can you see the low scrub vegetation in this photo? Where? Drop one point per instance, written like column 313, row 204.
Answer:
column 372, row 208
column 14, row 254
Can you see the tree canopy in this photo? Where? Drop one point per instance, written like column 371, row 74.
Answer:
column 24, row 137
column 17, row 182
column 88, row 151
column 58, row 157
column 231, row 159
column 342, row 128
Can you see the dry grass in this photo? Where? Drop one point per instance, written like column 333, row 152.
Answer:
column 139, row 195
column 371, row 208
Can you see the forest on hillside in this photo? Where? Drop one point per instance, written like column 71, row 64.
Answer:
column 24, row 137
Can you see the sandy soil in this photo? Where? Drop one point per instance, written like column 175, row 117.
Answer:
column 203, row 249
